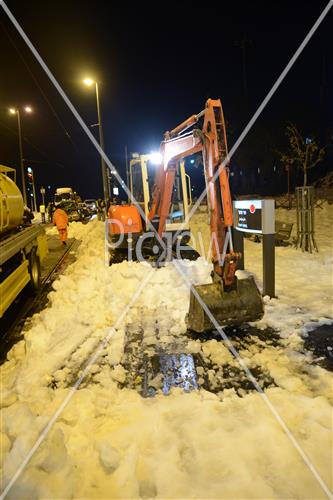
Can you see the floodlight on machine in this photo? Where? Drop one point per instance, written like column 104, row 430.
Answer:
column 156, row 158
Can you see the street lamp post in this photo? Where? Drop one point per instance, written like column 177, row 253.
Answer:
column 101, row 141
column 89, row 82
column 16, row 111
column 21, row 156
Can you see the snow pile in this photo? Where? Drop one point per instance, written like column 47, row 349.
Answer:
column 109, row 442
column 304, row 281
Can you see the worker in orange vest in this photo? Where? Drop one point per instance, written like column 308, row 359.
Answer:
column 60, row 219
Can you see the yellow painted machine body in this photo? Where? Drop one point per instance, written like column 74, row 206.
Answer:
column 16, row 247
column 20, row 275
column 13, row 285
column 11, row 201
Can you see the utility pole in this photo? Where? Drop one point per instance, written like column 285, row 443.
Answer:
column 34, row 191
column 106, row 187
column 24, row 192
column 16, row 111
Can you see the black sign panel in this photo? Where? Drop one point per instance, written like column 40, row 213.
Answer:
column 248, row 217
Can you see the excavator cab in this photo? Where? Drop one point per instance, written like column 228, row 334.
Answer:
column 142, row 174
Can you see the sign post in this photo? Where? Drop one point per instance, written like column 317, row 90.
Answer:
column 257, row 217
column 42, row 208
column 42, row 192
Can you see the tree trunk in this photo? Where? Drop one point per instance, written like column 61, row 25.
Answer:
column 289, row 196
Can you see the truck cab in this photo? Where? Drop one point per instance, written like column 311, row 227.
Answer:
column 63, row 194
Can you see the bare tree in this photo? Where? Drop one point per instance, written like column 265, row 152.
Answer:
column 302, row 153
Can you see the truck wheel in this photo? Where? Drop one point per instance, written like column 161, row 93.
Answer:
column 34, row 270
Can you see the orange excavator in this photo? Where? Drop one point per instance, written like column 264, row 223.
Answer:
column 230, row 300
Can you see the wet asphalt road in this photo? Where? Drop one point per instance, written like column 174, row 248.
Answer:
column 320, row 342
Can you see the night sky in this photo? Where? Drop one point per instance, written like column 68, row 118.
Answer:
column 157, row 63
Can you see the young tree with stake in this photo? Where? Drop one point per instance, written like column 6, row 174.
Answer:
column 302, row 153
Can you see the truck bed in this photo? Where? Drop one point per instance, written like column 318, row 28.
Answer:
column 15, row 242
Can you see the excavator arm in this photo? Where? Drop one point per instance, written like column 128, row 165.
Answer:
column 212, row 142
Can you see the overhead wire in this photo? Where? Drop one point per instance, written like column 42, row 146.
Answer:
column 28, row 141
column 55, row 114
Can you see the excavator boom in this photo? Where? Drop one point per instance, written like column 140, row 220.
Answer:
column 231, row 301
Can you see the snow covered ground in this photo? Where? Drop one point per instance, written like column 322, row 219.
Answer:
column 109, row 442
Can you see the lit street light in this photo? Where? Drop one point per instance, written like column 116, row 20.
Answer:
column 16, row 111
column 89, row 82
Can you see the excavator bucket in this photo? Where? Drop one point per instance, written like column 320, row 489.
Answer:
column 240, row 305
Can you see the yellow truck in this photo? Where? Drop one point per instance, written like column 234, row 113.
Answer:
column 23, row 245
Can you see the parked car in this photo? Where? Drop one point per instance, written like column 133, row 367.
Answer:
column 92, row 205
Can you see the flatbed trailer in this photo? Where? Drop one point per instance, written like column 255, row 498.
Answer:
column 21, row 254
